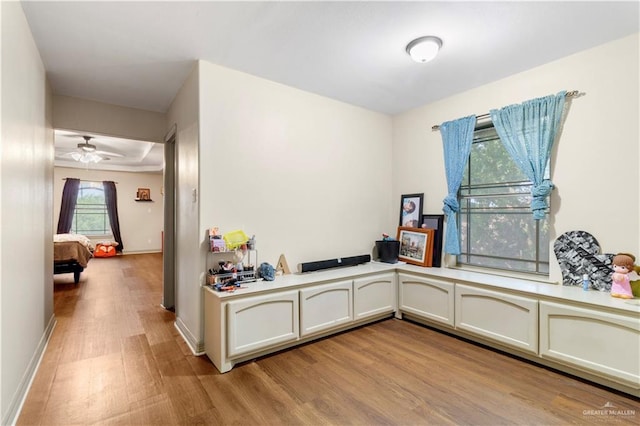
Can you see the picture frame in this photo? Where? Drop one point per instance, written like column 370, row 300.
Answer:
column 411, row 210
column 416, row 245
column 143, row 194
column 435, row 221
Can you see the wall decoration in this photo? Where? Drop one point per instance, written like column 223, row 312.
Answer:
column 411, row 210
column 416, row 245
column 143, row 194
column 436, row 222
column 578, row 253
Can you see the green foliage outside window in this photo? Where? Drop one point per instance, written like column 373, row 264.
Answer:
column 90, row 216
column 497, row 229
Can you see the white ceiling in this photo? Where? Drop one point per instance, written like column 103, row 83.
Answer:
column 138, row 54
column 118, row 154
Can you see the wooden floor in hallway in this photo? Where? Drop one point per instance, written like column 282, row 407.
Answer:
column 115, row 357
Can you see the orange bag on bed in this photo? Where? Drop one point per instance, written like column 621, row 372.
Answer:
column 103, row 250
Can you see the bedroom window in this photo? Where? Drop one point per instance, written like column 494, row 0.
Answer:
column 90, row 216
column 497, row 229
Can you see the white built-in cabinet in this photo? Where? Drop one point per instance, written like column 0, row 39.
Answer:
column 506, row 318
column 584, row 333
column 241, row 326
column 325, row 307
column 600, row 342
column 427, row 298
column 374, row 296
column 258, row 322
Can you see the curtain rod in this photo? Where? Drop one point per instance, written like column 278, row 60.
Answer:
column 84, row 180
column 571, row 94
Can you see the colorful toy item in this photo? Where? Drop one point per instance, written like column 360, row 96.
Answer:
column 622, row 266
column 105, row 249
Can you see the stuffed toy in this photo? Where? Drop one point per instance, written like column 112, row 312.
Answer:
column 105, row 249
column 635, row 283
column 623, row 265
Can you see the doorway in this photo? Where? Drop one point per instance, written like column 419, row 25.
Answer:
column 168, row 244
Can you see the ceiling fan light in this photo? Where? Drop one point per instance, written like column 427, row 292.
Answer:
column 424, row 49
column 76, row 156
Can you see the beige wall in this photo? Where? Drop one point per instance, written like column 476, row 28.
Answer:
column 26, row 249
column 183, row 113
column 308, row 175
column 110, row 120
column 595, row 167
column 141, row 223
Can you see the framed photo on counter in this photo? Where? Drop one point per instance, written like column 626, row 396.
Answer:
column 411, row 210
column 416, row 245
column 436, row 222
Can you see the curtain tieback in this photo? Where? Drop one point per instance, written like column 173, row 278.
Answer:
column 450, row 204
column 539, row 202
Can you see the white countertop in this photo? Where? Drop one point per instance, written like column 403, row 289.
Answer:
column 541, row 289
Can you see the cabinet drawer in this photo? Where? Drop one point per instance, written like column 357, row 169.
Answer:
column 325, row 306
column 259, row 322
column 427, row 298
column 600, row 342
column 374, row 296
column 506, row 318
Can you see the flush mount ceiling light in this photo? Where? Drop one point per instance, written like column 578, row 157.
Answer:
column 424, row 49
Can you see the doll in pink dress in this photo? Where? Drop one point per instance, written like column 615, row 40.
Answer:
column 622, row 266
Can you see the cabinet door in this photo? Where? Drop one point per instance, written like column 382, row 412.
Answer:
column 259, row 322
column 427, row 298
column 506, row 318
column 602, row 343
column 374, row 295
column 325, row 306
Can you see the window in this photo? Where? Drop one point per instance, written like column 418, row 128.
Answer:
column 90, row 216
column 497, row 229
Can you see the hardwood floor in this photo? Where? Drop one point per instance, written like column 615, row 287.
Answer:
column 116, row 358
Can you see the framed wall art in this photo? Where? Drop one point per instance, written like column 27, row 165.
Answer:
column 436, row 222
column 411, row 210
column 416, row 245
column 143, row 194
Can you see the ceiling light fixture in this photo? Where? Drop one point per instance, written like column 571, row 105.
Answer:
column 86, row 157
column 86, row 152
column 424, row 49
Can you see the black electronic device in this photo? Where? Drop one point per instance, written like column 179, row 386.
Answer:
column 334, row 263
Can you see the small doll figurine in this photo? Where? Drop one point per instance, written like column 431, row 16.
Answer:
column 622, row 266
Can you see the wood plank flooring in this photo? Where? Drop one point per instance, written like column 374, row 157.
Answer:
column 116, row 358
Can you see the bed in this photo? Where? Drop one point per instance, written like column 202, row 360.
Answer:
column 71, row 254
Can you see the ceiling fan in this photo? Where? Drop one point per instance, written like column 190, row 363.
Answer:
column 89, row 153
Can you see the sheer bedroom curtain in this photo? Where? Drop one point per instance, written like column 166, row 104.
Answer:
column 457, row 136
column 528, row 131
column 68, row 205
column 111, row 199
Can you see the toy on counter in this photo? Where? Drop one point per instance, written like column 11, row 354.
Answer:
column 635, row 281
column 623, row 264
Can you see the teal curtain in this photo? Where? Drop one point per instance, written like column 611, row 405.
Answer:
column 457, row 136
column 528, row 131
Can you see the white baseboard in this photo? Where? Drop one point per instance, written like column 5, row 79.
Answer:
column 197, row 347
column 15, row 406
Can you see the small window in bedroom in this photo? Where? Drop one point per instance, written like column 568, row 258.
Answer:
column 90, row 216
